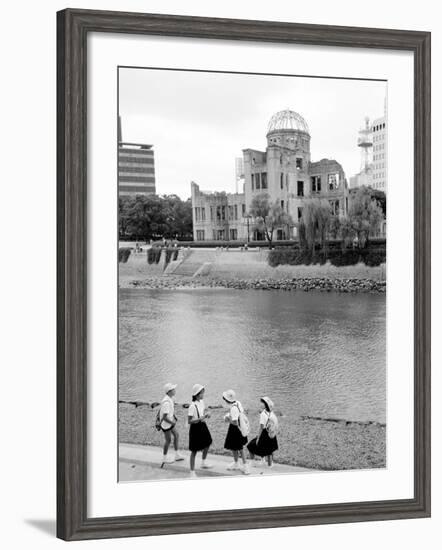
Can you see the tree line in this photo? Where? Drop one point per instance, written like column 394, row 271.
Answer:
column 367, row 210
column 145, row 217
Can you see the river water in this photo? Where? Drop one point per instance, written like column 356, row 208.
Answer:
column 315, row 354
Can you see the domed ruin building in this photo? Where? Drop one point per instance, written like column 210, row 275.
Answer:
column 285, row 172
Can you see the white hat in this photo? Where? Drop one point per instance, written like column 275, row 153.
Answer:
column 196, row 389
column 268, row 402
column 168, row 387
column 229, row 396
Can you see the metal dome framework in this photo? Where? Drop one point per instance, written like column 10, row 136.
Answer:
column 287, row 120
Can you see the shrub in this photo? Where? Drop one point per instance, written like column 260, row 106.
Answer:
column 348, row 257
column 123, row 254
column 374, row 258
column 153, row 255
column 157, row 255
column 169, row 252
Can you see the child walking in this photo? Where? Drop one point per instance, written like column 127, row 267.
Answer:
column 266, row 443
column 168, row 422
column 235, row 440
column 199, row 434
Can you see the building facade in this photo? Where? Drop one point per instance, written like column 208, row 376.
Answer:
column 218, row 216
column 379, row 129
column 136, row 169
column 285, row 172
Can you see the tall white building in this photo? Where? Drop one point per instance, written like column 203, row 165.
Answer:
column 379, row 132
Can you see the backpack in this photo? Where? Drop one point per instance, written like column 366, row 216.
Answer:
column 243, row 422
column 158, row 420
column 272, row 426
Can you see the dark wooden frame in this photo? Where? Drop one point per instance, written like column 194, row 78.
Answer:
column 73, row 27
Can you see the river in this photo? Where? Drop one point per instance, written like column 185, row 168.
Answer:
column 315, row 354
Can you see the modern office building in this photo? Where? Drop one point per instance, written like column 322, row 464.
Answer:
column 379, row 129
column 136, row 167
column 285, row 172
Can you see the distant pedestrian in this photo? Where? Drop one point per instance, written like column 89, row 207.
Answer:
column 199, row 434
column 168, row 420
column 236, row 434
column 266, row 443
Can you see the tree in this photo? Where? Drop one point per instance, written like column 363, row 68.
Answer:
column 267, row 216
column 179, row 217
column 315, row 223
column 364, row 214
column 123, row 206
column 147, row 217
column 152, row 216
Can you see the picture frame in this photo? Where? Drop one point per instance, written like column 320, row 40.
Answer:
column 73, row 28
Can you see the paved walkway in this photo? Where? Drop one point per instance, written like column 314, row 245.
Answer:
column 143, row 462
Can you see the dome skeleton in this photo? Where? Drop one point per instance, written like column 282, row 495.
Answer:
column 287, row 120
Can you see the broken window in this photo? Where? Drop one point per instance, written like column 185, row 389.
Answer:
column 316, row 184
column 300, row 189
column 264, row 180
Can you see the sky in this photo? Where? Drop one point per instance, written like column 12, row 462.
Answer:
column 199, row 122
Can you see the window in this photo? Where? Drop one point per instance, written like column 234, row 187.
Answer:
column 253, row 182
column 233, row 234
column 281, row 181
column 346, row 205
column 203, row 214
column 236, row 211
column 282, row 205
column 219, row 234
column 257, row 181
column 316, row 184
column 197, row 214
column 334, row 207
column 223, row 212
column 218, row 213
column 264, row 180
column 299, row 213
column 243, row 210
column 230, row 212
column 200, row 234
column 211, row 213
column 300, row 189
column 333, row 181
column 299, row 163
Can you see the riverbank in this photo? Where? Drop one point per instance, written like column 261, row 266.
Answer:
column 247, row 270
column 324, row 284
column 314, row 443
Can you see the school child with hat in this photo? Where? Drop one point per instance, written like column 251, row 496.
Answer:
column 199, row 434
column 266, row 443
column 236, row 436
column 167, row 423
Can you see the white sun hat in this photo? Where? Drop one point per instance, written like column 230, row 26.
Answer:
column 268, row 402
column 196, row 389
column 168, row 387
column 229, row 396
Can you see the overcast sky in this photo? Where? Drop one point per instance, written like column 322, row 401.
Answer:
column 199, row 122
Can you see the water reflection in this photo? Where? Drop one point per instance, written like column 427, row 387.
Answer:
column 316, row 354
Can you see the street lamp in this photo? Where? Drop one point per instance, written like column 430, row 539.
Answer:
column 248, row 218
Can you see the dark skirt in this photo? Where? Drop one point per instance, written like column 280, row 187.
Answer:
column 235, row 441
column 199, row 437
column 265, row 446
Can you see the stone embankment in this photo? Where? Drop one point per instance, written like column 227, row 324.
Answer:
column 306, row 284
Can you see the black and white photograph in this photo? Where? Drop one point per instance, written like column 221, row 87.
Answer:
column 252, row 274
